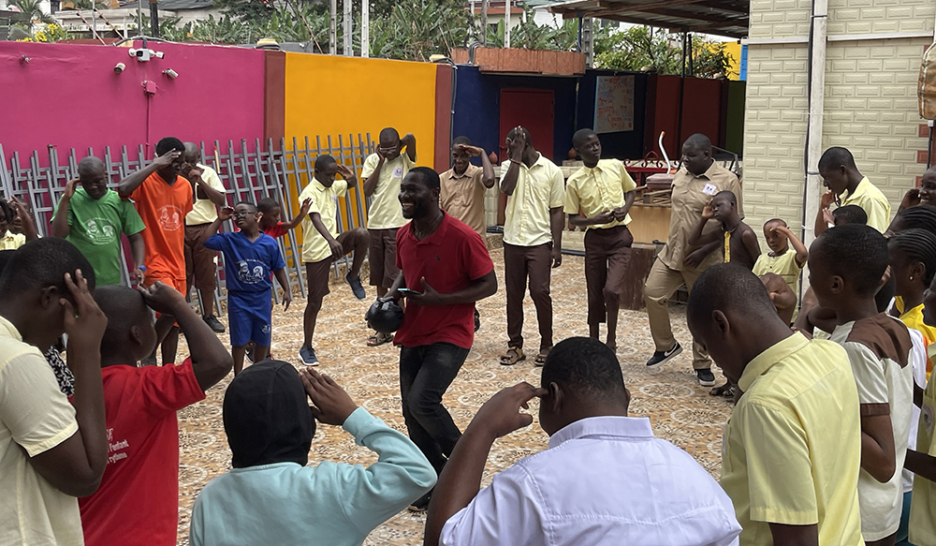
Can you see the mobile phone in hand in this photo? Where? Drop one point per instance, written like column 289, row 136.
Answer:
column 409, row 292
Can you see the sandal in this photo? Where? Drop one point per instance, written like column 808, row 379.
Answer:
column 725, row 391
column 514, row 355
column 540, row 359
column 379, row 339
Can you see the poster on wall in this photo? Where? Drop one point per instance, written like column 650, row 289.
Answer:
column 614, row 104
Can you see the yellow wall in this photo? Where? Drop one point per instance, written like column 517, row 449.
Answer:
column 734, row 49
column 331, row 95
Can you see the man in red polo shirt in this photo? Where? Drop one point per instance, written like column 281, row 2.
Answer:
column 447, row 265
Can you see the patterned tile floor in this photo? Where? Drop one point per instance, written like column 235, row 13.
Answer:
column 680, row 410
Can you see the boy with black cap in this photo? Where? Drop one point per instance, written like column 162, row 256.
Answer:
column 270, row 426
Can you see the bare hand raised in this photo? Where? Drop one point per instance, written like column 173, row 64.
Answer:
column 708, row 212
column 84, row 321
column 162, row 298
column 472, row 151
column 166, row 159
column 517, row 144
column 226, row 213
column 826, row 200
column 71, row 187
column 304, row 209
column 333, row 405
column 345, row 172
column 501, row 414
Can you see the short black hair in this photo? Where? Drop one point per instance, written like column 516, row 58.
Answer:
column 580, row 136
column 851, row 214
column 920, row 246
column 429, row 177
column 7, row 210
column 5, row 256
column 856, row 253
column 168, row 144
column 44, row 262
column 323, row 161
column 388, row 133
column 513, row 133
column 698, row 141
column 247, row 203
column 729, row 286
column 461, row 140
column 585, row 365
column 267, row 204
column 729, row 195
column 918, row 217
column 835, row 157
column 772, row 220
column 124, row 308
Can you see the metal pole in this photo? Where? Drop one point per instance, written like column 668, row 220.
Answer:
column 154, row 18
column 689, row 46
column 333, row 28
column 365, row 28
column 140, row 30
column 507, row 23
column 94, row 19
column 346, row 27
column 820, row 9
column 484, row 23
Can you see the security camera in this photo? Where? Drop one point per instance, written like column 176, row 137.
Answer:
column 171, row 73
column 120, row 68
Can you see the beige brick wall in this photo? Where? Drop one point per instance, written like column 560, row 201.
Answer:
column 870, row 99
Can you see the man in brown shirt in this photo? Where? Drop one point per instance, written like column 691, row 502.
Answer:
column 464, row 184
column 695, row 184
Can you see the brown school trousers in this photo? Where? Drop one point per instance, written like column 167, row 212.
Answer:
column 521, row 263
column 607, row 253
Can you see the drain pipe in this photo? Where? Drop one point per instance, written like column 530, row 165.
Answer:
column 812, row 187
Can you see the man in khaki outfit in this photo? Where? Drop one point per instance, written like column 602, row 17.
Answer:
column 694, row 185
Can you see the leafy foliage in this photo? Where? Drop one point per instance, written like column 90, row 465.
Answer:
column 48, row 33
column 31, row 12
column 639, row 47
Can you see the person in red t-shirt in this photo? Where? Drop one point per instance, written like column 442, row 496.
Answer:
column 163, row 198
column 270, row 222
column 137, row 502
column 447, row 265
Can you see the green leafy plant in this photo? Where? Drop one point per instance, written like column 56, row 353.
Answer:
column 638, row 48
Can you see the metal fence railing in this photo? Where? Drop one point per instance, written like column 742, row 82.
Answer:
column 249, row 171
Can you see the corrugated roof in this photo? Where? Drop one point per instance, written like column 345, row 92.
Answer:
column 722, row 17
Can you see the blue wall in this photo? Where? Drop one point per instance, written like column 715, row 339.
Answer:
column 477, row 110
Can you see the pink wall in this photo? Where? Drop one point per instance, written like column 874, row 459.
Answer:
column 69, row 96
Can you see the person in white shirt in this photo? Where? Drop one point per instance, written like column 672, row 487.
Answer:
column 605, row 480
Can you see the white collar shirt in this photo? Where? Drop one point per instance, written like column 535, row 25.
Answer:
column 603, row 481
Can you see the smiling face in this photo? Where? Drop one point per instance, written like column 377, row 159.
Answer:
column 777, row 241
column 928, row 187
column 460, row 160
column 416, row 197
column 834, row 178
column 245, row 217
column 93, row 179
column 590, row 149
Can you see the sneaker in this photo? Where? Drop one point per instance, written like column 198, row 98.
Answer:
column 421, row 504
column 215, row 324
column 706, row 377
column 356, row 287
column 661, row 357
column 307, row 355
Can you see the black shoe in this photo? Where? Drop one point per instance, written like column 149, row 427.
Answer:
column 661, row 357
column 421, row 504
column 477, row 320
column 356, row 286
column 215, row 324
column 706, row 377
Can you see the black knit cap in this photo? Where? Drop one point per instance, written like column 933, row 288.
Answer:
column 267, row 417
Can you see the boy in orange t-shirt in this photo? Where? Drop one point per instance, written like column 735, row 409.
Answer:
column 163, row 198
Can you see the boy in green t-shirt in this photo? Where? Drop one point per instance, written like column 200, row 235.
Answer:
column 93, row 217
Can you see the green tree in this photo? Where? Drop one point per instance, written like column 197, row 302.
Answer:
column 31, row 12
column 637, row 48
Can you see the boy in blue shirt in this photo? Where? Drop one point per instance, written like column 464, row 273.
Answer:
column 249, row 258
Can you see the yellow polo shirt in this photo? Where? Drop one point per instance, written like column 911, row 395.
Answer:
column 922, row 522
column 591, row 191
column 203, row 210
column 913, row 318
column 12, row 241
column 690, row 195
column 384, row 210
column 792, row 447
column 784, row 265
column 539, row 188
column 325, row 202
column 869, row 198
column 34, row 417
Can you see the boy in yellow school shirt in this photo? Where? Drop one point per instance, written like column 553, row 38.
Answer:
column 381, row 176
column 322, row 244
column 840, row 175
column 780, row 260
column 793, row 479
column 599, row 196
